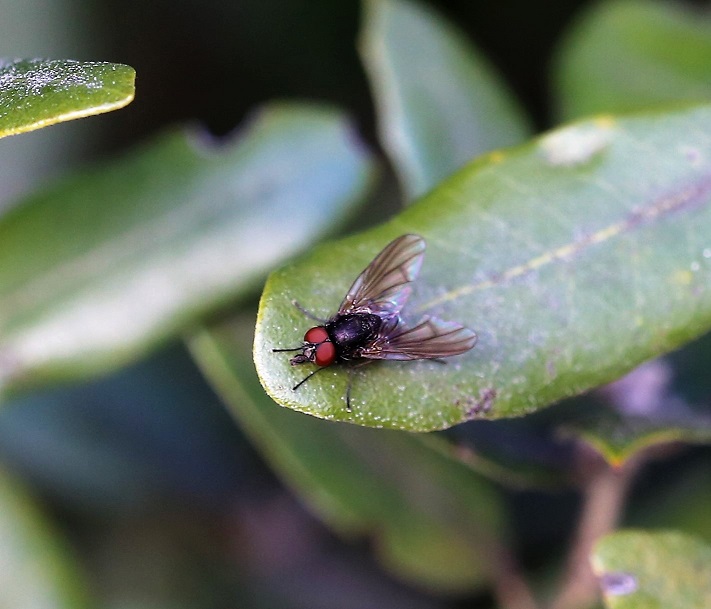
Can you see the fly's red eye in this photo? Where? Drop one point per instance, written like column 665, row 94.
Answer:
column 316, row 335
column 325, row 354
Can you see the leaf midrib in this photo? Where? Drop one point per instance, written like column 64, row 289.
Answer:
column 687, row 197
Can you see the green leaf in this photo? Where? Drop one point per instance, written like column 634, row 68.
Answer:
column 433, row 519
column 619, row 437
column 37, row 570
column 574, row 258
column 439, row 101
column 632, row 54
column 98, row 269
column 36, row 93
column 643, row 570
column 639, row 411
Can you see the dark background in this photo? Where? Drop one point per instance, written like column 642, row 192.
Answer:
column 216, row 61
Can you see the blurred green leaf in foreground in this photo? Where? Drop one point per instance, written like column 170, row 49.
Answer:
column 104, row 265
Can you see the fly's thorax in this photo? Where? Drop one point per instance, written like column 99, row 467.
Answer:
column 352, row 331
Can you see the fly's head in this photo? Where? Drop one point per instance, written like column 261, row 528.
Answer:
column 317, row 349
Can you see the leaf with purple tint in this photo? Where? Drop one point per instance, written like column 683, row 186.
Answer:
column 574, row 258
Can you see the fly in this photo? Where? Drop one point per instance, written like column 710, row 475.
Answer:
column 367, row 325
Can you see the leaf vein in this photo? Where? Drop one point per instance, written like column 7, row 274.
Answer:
column 666, row 205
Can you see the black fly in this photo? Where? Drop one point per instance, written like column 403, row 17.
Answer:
column 368, row 326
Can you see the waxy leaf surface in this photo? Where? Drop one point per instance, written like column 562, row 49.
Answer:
column 439, row 101
column 35, row 93
column 574, row 258
column 99, row 268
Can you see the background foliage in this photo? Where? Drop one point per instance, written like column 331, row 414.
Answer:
column 131, row 485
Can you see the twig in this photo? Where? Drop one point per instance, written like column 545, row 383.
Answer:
column 510, row 588
column 604, row 493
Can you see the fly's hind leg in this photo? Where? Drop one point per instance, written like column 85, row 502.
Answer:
column 351, row 373
column 348, row 391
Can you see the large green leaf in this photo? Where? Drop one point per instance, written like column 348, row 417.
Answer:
column 644, row 570
column 574, row 258
column 97, row 269
column 35, row 93
column 439, row 101
column 631, row 54
column 433, row 519
column 37, row 571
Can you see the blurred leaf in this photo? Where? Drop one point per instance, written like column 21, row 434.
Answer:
column 37, row 571
column 120, row 443
column 618, row 437
column 643, row 570
column 98, row 269
column 574, row 259
column 36, row 93
column 434, row 520
column 639, row 411
column 439, row 101
column 631, row 54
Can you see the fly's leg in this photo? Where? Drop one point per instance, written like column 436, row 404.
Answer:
column 348, row 391
column 351, row 374
column 301, row 382
column 308, row 313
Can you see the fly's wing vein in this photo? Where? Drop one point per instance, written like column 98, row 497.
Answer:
column 431, row 338
column 383, row 287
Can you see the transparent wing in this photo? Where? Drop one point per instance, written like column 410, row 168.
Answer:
column 382, row 288
column 431, row 338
